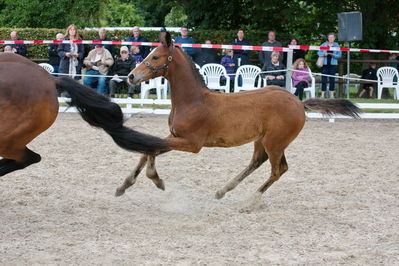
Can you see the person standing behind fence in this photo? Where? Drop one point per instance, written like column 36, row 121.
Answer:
column 53, row 57
column 184, row 38
column 240, row 56
column 206, row 55
column 71, row 54
column 300, row 79
column 19, row 48
column 136, row 37
column 102, row 33
column 330, row 64
column 265, row 56
column 296, row 53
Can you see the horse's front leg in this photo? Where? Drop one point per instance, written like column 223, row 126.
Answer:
column 175, row 144
column 131, row 179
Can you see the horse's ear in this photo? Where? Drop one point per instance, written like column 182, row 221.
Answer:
column 165, row 38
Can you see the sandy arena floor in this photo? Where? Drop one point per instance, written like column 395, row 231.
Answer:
column 337, row 204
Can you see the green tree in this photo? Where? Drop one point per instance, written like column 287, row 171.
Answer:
column 49, row 14
column 120, row 14
column 176, row 18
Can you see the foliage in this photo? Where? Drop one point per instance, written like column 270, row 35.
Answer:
column 49, row 14
column 120, row 14
column 176, row 18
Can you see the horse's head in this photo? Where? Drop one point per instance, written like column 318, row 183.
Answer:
column 156, row 63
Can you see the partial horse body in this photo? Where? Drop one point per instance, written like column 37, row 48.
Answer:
column 29, row 106
column 270, row 117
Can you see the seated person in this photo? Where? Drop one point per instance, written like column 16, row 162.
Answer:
column 228, row 62
column 121, row 67
column 97, row 63
column 8, row 49
column 276, row 77
column 135, row 54
column 371, row 74
column 300, row 79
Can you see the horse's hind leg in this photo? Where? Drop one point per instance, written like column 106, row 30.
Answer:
column 152, row 173
column 131, row 179
column 258, row 158
column 279, row 167
column 15, row 159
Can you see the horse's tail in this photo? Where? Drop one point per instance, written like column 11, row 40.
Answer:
column 99, row 111
column 333, row 106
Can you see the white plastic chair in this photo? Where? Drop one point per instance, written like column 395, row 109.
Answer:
column 212, row 74
column 248, row 75
column 386, row 79
column 197, row 66
column 49, row 68
column 160, row 84
column 311, row 90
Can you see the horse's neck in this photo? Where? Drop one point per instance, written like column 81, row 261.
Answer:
column 184, row 87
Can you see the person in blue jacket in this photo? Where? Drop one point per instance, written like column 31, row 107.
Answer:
column 184, row 38
column 228, row 62
column 136, row 37
column 240, row 56
column 330, row 64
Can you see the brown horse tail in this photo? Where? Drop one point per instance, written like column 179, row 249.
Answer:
column 333, row 106
column 99, row 111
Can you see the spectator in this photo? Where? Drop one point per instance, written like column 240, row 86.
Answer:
column 276, row 77
column 103, row 37
column 136, row 37
column 394, row 57
column 264, row 56
column 98, row 62
column 228, row 63
column 296, row 53
column 330, row 64
column 54, row 58
column 184, row 38
column 206, row 55
column 121, row 67
column 371, row 74
column 240, row 56
column 300, row 79
column 135, row 54
column 19, row 48
column 8, row 49
column 71, row 53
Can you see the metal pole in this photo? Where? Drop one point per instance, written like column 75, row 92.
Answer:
column 348, row 71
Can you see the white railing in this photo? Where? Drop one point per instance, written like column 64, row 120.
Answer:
column 128, row 109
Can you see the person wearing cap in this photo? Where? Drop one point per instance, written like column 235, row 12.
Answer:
column 136, row 37
column 120, row 70
column 98, row 63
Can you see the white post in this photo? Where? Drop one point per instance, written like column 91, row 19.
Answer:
column 288, row 75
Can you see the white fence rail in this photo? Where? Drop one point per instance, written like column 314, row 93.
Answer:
column 128, row 108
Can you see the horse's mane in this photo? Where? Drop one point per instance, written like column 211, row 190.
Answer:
column 198, row 77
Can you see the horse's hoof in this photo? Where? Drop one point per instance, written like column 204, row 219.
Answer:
column 161, row 185
column 219, row 195
column 119, row 192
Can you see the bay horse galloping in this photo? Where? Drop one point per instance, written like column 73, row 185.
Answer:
column 29, row 106
column 271, row 117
